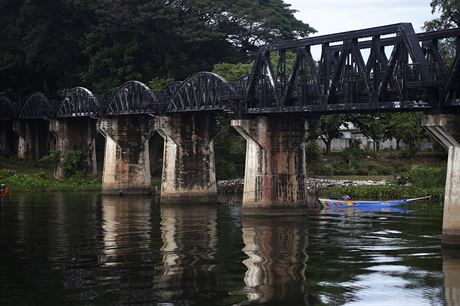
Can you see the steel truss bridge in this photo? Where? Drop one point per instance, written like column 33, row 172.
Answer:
column 388, row 68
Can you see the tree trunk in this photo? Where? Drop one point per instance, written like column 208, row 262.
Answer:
column 327, row 143
column 328, row 146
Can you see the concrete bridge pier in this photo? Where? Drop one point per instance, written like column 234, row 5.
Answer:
column 33, row 138
column 188, row 159
column 78, row 135
column 275, row 170
column 446, row 130
column 126, row 162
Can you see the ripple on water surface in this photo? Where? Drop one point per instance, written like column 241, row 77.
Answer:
column 92, row 249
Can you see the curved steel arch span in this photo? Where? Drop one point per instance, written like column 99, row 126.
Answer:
column 128, row 99
column 79, row 102
column 36, row 106
column 199, row 92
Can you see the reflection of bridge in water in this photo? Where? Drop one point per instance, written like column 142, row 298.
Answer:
column 276, row 251
column 388, row 68
column 189, row 249
column 126, row 250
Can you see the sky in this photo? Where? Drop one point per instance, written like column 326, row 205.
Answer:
column 332, row 16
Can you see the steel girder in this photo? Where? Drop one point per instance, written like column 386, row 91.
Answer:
column 36, row 106
column 200, row 92
column 128, row 99
column 79, row 102
column 414, row 76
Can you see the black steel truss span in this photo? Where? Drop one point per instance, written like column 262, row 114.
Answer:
column 7, row 109
column 36, row 106
column 78, row 102
column 414, row 76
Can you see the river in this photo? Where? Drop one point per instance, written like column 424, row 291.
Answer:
column 84, row 249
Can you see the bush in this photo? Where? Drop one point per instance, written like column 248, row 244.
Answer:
column 73, row 164
column 6, row 173
column 312, row 151
column 427, row 177
column 321, row 169
column 53, row 157
column 408, row 153
column 354, row 151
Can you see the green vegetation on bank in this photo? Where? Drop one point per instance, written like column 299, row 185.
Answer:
column 386, row 192
column 408, row 174
column 40, row 181
column 418, row 181
column 34, row 176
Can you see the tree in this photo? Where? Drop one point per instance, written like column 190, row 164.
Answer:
column 330, row 129
column 232, row 72
column 100, row 44
column 42, row 43
column 449, row 18
column 372, row 126
column 406, row 127
column 450, row 15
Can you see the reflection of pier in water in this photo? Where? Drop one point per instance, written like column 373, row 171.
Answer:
column 189, row 245
column 127, row 227
column 276, row 250
column 451, row 269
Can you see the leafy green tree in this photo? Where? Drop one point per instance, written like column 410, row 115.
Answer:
column 230, row 150
column 42, row 43
column 449, row 15
column 54, row 44
column 232, row 72
column 372, row 126
column 449, row 18
column 406, row 127
column 330, row 129
column 160, row 83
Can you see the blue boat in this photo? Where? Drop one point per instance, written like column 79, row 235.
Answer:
column 329, row 203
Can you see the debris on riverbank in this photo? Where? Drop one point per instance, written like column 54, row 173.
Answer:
column 313, row 185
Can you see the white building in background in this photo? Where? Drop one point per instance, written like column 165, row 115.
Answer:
column 350, row 131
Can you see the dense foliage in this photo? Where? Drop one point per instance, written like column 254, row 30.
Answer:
column 50, row 45
column 449, row 14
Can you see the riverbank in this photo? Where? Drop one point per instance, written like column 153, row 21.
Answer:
column 418, row 180
column 363, row 188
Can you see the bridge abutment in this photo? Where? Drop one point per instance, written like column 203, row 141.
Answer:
column 446, row 130
column 188, row 159
column 75, row 135
column 33, row 138
column 126, row 162
column 275, row 170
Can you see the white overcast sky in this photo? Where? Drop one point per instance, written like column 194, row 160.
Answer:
column 331, row 16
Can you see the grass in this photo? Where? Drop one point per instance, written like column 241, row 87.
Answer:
column 40, row 182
